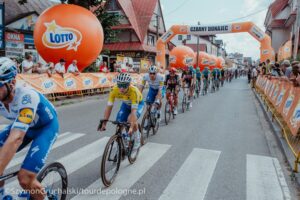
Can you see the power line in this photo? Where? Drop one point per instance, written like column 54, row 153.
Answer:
column 246, row 16
column 178, row 7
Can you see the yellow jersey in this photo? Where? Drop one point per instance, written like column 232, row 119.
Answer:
column 132, row 97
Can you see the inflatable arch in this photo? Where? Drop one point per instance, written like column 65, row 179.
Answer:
column 266, row 50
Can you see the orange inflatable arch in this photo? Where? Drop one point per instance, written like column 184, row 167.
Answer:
column 266, row 50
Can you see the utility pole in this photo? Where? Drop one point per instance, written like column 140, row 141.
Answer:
column 198, row 40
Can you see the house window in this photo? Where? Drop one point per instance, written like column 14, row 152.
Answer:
column 151, row 40
column 113, row 5
column 179, row 37
column 188, row 37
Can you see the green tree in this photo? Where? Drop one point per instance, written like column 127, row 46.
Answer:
column 108, row 20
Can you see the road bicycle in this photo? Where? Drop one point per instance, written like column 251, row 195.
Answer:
column 150, row 121
column 53, row 177
column 169, row 107
column 117, row 148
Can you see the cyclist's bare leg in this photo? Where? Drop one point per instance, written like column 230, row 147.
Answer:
column 132, row 118
column 29, row 182
column 176, row 96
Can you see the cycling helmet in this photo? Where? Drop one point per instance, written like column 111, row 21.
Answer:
column 191, row 68
column 152, row 69
column 8, row 70
column 173, row 70
column 197, row 69
column 123, row 78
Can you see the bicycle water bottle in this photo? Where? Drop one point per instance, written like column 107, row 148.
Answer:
column 24, row 196
column 126, row 138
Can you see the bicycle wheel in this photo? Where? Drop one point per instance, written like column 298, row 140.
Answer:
column 154, row 123
column 145, row 128
column 55, row 180
column 167, row 112
column 183, row 103
column 132, row 154
column 111, row 160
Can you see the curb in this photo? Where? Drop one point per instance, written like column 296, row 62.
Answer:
column 288, row 155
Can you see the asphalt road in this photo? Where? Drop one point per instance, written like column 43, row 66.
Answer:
column 217, row 150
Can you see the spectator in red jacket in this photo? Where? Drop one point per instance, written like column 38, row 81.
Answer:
column 103, row 67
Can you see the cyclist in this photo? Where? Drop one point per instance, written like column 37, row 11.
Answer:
column 189, row 78
column 173, row 83
column 206, row 75
column 198, row 78
column 222, row 76
column 34, row 121
column 156, row 87
column 214, row 78
column 218, row 78
column 131, row 108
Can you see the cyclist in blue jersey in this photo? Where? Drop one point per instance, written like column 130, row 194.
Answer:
column 34, row 120
column 206, row 76
column 198, row 80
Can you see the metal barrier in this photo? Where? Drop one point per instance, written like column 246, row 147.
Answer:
column 292, row 141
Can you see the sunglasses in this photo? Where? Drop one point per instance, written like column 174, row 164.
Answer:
column 123, row 85
column 152, row 73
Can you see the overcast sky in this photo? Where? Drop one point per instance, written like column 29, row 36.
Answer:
column 189, row 12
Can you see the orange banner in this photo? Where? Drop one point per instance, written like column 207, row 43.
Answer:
column 284, row 97
column 294, row 116
column 71, row 83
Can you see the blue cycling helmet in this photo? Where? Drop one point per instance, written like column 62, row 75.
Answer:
column 8, row 70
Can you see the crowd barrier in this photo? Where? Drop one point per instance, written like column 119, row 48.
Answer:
column 70, row 85
column 283, row 100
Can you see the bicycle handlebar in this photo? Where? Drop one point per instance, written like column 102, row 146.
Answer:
column 113, row 122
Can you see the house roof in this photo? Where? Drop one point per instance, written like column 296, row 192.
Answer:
column 13, row 10
column 129, row 10
column 144, row 9
column 277, row 6
column 139, row 14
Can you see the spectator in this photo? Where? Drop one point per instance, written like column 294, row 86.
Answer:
column 27, row 64
column 278, row 69
column 60, row 67
column 103, row 67
column 38, row 68
column 50, row 69
column 294, row 64
column 287, row 68
column 123, row 68
column 263, row 68
column 254, row 76
column 73, row 68
column 268, row 66
column 295, row 74
column 112, row 66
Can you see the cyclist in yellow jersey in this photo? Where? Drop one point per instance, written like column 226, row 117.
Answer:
column 132, row 105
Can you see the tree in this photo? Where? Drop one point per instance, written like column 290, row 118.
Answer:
column 108, row 20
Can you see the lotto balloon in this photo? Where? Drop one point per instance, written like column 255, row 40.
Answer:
column 220, row 62
column 69, row 32
column 181, row 57
column 213, row 62
column 203, row 60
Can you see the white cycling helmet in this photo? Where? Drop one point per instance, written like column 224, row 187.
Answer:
column 152, row 69
column 8, row 70
column 124, row 78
